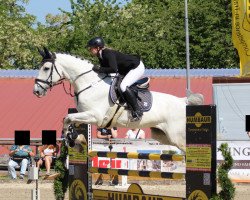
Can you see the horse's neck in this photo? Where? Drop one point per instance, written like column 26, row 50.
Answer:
column 78, row 71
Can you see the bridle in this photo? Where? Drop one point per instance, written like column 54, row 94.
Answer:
column 49, row 80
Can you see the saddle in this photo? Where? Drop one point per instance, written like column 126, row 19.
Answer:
column 140, row 88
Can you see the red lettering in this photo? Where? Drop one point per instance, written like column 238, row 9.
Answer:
column 95, row 162
column 103, row 163
column 116, row 164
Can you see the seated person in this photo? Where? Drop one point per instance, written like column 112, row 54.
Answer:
column 104, row 133
column 19, row 155
column 48, row 154
column 135, row 134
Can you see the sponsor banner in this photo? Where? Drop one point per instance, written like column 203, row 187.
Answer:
column 134, row 192
column 199, row 157
column 125, row 145
column 240, row 151
column 239, row 164
column 239, row 175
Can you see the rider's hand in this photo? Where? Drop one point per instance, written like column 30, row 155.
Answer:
column 96, row 68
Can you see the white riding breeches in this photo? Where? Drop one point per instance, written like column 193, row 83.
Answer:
column 132, row 76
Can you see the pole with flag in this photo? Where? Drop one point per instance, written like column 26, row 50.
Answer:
column 241, row 33
column 188, row 90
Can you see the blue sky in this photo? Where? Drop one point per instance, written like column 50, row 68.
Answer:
column 40, row 8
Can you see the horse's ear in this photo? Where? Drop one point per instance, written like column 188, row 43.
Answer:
column 41, row 52
column 47, row 53
column 53, row 55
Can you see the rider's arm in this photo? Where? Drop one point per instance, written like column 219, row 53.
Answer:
column 142, row 134
column 114, row 133
column 99, row 135
column 110, row 58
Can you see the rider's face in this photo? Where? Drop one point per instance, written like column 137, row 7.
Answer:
column 94, row 50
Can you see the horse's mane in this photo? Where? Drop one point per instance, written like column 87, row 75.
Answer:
column 78, row 61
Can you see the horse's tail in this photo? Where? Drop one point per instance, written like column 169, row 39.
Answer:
column 195, row 99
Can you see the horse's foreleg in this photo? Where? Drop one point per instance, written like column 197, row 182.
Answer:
column 80, row 118
column 77, row 118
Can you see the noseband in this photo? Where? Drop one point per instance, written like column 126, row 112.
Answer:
column 49, row 81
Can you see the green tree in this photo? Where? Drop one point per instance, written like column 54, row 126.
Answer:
column 17, row 36
column 209, row 28
column 155, row 31
column 86, row 20
column 152, row 29
column 210, row 34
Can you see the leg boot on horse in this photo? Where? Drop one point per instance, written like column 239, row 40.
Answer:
column 130, row 98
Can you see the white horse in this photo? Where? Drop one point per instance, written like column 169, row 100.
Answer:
column 166, row 118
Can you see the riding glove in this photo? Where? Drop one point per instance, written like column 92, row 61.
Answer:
column 96, row 68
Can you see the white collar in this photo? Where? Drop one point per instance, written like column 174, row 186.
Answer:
column 100, row 53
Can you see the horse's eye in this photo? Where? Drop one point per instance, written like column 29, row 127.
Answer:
column 46, row 68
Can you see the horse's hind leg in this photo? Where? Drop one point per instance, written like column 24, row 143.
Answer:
column 159, row 135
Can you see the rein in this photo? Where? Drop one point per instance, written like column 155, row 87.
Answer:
column 78, row 93
column 69, row 93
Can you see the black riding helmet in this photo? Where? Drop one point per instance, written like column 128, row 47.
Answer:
column 96, row 42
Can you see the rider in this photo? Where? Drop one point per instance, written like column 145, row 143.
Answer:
column 112, row 61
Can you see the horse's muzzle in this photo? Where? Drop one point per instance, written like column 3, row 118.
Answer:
column 38, row 91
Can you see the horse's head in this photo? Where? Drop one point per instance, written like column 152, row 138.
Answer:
column 50, row 73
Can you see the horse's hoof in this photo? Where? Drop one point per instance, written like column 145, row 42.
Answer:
column 72, row 143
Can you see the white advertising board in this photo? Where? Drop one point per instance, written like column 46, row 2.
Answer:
column 240, row 151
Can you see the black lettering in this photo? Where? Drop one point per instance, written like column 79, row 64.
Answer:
column 236, row 151
column 246, row 151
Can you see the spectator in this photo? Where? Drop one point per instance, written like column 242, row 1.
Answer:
column 19, row 156
column 135, row 134
column 48, row 154
column 104, row 133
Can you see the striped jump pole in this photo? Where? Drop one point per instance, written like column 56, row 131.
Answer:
column 133, row 155
column 126, row 172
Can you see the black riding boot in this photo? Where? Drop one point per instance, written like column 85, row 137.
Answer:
column 130, row 97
